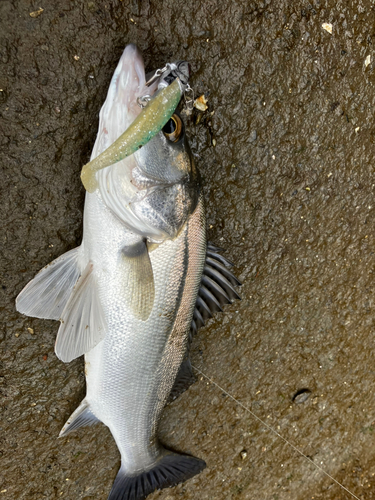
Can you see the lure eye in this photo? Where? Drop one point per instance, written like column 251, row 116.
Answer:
column 173, row 128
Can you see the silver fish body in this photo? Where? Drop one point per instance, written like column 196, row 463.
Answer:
column 130, row 373
column 126, row 296
column 146, row 243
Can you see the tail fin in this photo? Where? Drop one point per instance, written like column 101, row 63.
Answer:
column 171, row 469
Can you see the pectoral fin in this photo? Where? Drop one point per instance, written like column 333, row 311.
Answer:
column 140, row 280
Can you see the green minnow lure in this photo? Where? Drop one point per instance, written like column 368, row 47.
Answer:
column 147, row 124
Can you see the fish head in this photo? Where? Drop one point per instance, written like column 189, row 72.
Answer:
column 120, row 107
column 167, row 158
column 154, row 190
column 167, row 178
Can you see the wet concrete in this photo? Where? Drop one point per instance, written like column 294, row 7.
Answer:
column 289, row 191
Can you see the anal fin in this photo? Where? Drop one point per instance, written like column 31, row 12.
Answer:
column 81, row 417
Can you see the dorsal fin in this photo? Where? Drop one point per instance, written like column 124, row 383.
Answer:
column 217, row 287
column 184, row 379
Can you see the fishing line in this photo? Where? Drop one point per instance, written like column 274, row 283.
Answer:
column 275, row 432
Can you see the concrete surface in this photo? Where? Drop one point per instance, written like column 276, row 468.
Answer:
column 289, row 191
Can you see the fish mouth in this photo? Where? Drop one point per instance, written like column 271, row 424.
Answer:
column 127, row 81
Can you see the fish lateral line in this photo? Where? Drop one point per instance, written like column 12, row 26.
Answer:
column 274, row 431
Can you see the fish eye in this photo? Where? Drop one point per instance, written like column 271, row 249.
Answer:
column 173, row 128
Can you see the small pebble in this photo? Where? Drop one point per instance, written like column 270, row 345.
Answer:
column 30, row 330
column 198, row 118
column 201, row 103
column 243, row 454
column 327, row 27
column 253, row 136
column 301, row 396
column 36, row 13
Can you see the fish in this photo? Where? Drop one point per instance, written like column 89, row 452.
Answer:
column 131, row 297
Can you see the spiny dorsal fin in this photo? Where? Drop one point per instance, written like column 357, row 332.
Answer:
column 82, row 320
column 217, row 287
column 46, row 295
